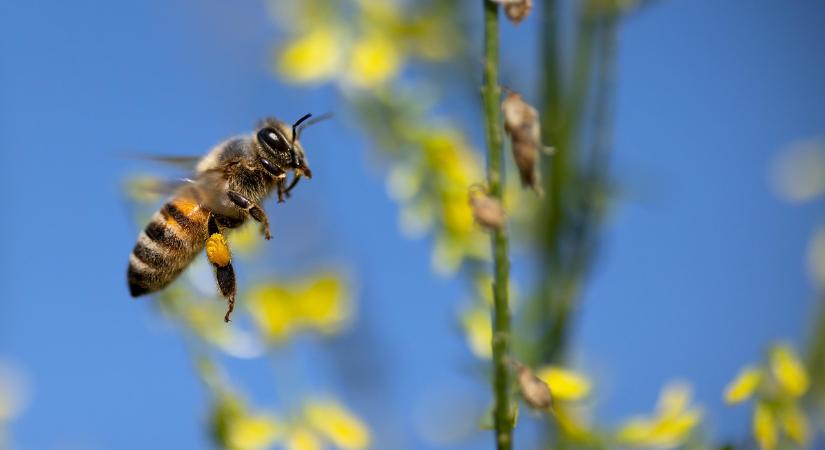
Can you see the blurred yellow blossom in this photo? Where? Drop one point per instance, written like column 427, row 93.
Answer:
column 363, row 53
column 795, row 423
column 374, row 60
column 247, row 239
column 302, row 438
column 564, row 384
column 764, row 427
column 788, row 371
column 337, row 424
column 316, row 56
column 478, row 330
column 743, row 386
column 320, row 303
column 235, row 426
column 572, row 424
column 253, row 432
column 778, row 387
column 204, row 317
column 674, row 421
column 320, row 421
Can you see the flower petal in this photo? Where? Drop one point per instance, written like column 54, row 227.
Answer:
column 302, row 438
column 743, row 386
column 374, row 60
column 253, row 432
column 795, row 424
column 313, row 57
column 339, row 425
column 564, row 384
column 764, row 427
column 788, row 371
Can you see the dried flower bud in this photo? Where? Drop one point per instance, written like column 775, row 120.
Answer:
column 535, row 391
column 516, row 10
column 521, row 122
column 487, row 211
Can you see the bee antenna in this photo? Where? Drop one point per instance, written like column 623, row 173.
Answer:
column 321, row 118
column 298, row 122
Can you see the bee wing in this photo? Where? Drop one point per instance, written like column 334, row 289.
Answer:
column 186, row 163
column 150, row 189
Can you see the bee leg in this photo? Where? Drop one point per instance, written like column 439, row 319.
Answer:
column 254, row 210
column 295, row 179
column 282, row 191
column 217, row 251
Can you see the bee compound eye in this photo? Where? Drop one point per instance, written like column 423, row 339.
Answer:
column 273, row 140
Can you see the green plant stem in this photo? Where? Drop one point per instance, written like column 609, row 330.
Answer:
column 816, row 356
column 491, row 96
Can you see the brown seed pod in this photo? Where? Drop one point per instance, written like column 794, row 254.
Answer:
column 521, row 122
column 487, row 211
column 536, row 393
column 516, row 10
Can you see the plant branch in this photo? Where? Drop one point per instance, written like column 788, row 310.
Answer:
column 491, row 96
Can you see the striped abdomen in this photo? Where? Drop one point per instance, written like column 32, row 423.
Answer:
column 174, row 236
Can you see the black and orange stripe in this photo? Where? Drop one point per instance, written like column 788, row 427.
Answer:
column 167, row 245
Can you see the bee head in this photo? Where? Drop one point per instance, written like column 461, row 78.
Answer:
column 278, row 143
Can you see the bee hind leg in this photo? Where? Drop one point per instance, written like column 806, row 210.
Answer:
column 254, row 210
column 217, row 251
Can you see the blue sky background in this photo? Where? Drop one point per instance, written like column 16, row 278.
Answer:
column 702, row 265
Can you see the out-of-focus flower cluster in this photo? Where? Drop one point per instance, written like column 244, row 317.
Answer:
column 671, row 424
column 316, row 424
column 363, row 46
column 777, row 387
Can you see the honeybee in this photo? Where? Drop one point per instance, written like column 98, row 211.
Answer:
column 228, row 186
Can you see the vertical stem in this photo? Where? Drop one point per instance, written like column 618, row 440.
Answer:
column 501, row 309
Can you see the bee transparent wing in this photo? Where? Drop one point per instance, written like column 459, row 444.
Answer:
column 186, row 163
column 150, row 189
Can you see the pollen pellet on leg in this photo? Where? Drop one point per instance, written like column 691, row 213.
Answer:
column 217, row 250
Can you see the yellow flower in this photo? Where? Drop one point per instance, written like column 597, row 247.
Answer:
column 302, row 438
column 374, row 60
column 246, row 239
column 788, row 371
column 253, row 432
column 313, row 57
column 764, row 427
column 743, row 386
column 795, row 424
column 324, row 304
column 204, row 317
column 571, row 424
column 479, row 331
column 673, row 423
column 319, row 304
column 778, row 387
column 337, row 424
column 564, row 384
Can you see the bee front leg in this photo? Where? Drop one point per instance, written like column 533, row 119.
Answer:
column 282, row 192
column 217, row 251
column 254, row 210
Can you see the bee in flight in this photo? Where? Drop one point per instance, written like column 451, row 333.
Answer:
column 228, row 186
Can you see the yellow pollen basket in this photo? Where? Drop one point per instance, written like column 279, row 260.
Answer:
column 217, row 250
